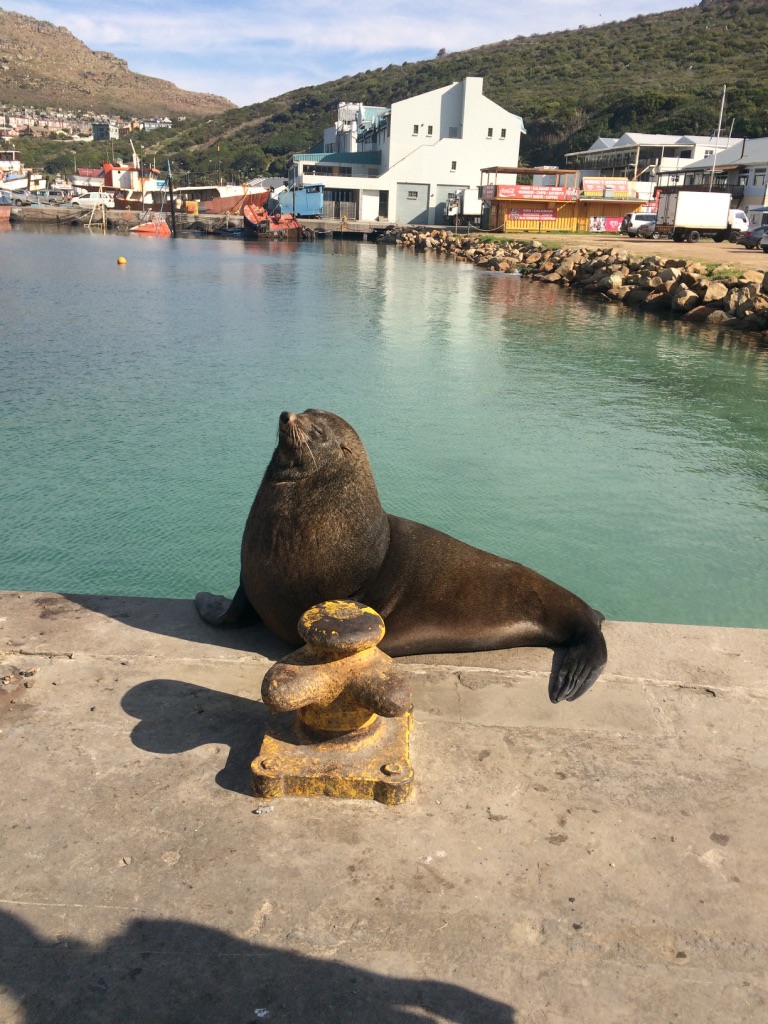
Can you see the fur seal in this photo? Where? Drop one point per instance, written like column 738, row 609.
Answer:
column 317, row 532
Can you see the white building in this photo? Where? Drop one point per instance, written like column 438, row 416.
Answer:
column 105, row 130
column 638, row 155
column 742, row 170
column 406, row 162
column 156, row 122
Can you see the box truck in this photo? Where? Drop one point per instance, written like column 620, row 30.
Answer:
column 688, row 216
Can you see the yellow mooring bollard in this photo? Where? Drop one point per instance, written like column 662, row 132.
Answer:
column 341, row 713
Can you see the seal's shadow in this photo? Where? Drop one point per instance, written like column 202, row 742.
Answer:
column 171, row 971
column 175, row 716
column 178, row 618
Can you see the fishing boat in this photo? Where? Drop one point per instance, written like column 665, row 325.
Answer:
column 258, row 222
column 155, row 227
column 15, row 176
column 220, row 199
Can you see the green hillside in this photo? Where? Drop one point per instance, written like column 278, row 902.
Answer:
column 654, row 73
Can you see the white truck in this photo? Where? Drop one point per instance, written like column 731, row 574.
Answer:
column 466, row 205
column 688, row 216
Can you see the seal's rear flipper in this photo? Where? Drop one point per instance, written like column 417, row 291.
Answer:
column 220, row 611
column 576, row 668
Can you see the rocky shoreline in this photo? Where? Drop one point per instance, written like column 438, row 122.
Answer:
column 691, row 291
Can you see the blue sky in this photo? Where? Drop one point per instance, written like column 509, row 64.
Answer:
column 250, row 50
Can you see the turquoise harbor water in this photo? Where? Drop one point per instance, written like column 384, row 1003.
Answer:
column 626, row 458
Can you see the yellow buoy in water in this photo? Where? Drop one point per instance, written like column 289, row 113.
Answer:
column 121, row 260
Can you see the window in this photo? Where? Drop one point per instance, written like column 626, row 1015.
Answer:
column 490, row 133
column 340, row 195
column 413, row 195
column 759, row 176
column 415, row 129
column 503, row 133
column 453, row 133
column 708, row 152
column 453, row 165
column 429, row 129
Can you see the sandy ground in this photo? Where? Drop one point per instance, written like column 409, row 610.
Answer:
column 705, row 251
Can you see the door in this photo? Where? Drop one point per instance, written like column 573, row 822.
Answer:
column 412, row 203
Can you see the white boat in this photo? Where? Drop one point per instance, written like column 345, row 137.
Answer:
column 14, row 175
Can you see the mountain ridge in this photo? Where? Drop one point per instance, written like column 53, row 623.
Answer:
column 45, row 65
column 659, row 73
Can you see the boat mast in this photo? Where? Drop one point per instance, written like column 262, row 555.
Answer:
column 717, row 143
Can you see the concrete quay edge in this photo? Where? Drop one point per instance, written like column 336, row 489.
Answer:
column 598, row 861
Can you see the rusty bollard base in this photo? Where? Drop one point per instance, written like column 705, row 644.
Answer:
column 341, row 713
column 377, row 769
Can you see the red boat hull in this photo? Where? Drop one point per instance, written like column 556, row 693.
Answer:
column 256, row 221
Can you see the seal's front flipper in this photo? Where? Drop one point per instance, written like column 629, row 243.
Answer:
column 220, row 611
column 576, row 668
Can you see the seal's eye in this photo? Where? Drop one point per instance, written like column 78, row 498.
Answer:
column 316, row 432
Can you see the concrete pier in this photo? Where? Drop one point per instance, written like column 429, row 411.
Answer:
column 203, row 223
column 602, row 861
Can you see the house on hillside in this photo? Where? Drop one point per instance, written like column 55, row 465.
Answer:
column 742, row 170
column 637, row 155
column 156, row 122
column 105, row 130
column 408, row 162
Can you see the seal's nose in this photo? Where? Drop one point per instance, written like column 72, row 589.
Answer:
column 287, row 417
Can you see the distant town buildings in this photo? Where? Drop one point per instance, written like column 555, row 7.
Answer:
column 409, row 162
column 27, row 121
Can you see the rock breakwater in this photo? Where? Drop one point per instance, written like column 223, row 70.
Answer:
column 720, row 296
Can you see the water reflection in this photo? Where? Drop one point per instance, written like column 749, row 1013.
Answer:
column 625, row 456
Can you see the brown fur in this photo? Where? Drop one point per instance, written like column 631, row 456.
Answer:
column 316, row 532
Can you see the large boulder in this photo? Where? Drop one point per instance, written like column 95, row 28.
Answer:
column 715, row 291
column 684, row 298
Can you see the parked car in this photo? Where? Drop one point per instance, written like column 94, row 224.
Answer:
column 18, row 196
column 764, row 242
column 648, row 230
column 752, row 239
column 51, row 196
column 92, row 200
column 632, row 222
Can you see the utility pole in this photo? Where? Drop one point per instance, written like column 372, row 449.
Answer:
column 171, row 201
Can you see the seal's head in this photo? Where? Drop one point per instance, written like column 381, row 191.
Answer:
column 314, row 440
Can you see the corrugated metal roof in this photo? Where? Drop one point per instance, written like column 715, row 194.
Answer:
column 646, row 139
column 746, row 153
